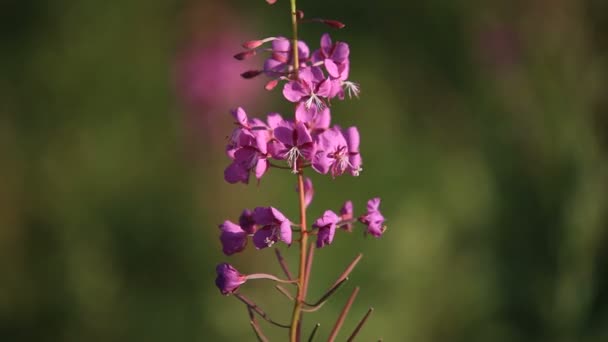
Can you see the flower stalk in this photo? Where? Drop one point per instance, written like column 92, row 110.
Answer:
column 308, row 141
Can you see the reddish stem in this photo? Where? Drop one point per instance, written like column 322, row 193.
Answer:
column 340, row 321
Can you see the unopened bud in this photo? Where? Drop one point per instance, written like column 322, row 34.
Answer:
column 272, row 84
column 271, row 2
column 244, row 55
column 251, row 74
column 252, row 44
column 333, row 23
column 300, row 14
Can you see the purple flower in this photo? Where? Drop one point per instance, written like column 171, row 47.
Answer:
column 327, row 228
column 246, row 221
column 317, row 120
column 338, row 152
column 334, row 56
column 233, row 238
column 228, row 278
column 280, row 59
column 373, row 218
column 247, row 149
column 311, row 87
column 275, row 226
column 309, row 191
column 292, row 142
column 346, row 214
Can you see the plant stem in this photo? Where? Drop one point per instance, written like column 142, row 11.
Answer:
column 300, row 296
column 297, row 309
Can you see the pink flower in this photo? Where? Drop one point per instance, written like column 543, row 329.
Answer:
column 327, row 228
column 228, row 278
column 373, row 218
column 338, row 152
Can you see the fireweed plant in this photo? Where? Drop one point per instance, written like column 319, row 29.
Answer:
column 306, row 142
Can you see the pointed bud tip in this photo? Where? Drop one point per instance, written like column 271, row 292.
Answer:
column 271, row 85
column 250, row 74
column 252, row 44
column 334, row 23
column 244, row 55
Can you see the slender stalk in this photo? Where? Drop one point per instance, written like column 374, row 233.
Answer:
column 283, row 264
column 251, row 305
column 340, row 321
column 297, row 308
column 360, row 325
column 314, row 332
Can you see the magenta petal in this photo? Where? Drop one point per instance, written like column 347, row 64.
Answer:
column 274, row 119
column 303, row 134
column 261, row 238
column 355, row 162
column 263, row 216
column 309, row 191
column 322, row 119
column 240, row 116
column 285, row 230
column 303, row 114
column 235, row 173
column 233, row 238
column 284, row 135
column 324, row 88
column 272, row 66
column 326, row 44
column 303, row 50
column 340, row 53
column 373, row 204
column 293, row 91
column 332, row 68
column 277, row 215
column 351, row 135
column 261, row 167
column 277, row 150
column 281, row 44
column 321, row 163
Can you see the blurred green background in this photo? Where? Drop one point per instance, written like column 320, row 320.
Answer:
column 484, row 129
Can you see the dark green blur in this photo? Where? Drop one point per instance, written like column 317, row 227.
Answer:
column 484, row 128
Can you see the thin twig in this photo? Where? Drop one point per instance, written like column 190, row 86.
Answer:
column 349, row 269
column 311, row 253
column 283, row 264
column 256, row 328
column 314, row 332
column 360, row 325
column 284, row 292
column 340, row 321
column 327, row 294
column 257, row 310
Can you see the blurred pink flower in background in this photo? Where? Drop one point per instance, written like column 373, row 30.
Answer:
column 206, row 77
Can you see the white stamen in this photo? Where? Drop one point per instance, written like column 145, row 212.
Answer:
column 352, row 89
column 314, row 99
column 292, row 158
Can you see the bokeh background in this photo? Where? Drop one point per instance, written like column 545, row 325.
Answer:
column 484, row 129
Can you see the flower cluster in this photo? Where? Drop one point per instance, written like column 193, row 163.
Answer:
column 308, row 140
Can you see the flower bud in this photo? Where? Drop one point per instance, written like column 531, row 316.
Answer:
column 245, row 54
column 251, row 74
column 270, row 85
column 228, row 278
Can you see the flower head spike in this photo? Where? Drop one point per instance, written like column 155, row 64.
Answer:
column 327, row 228
column 373, row 218
column 346, row 214
column 228, row 278
column 233, row 237
column 274, row 227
